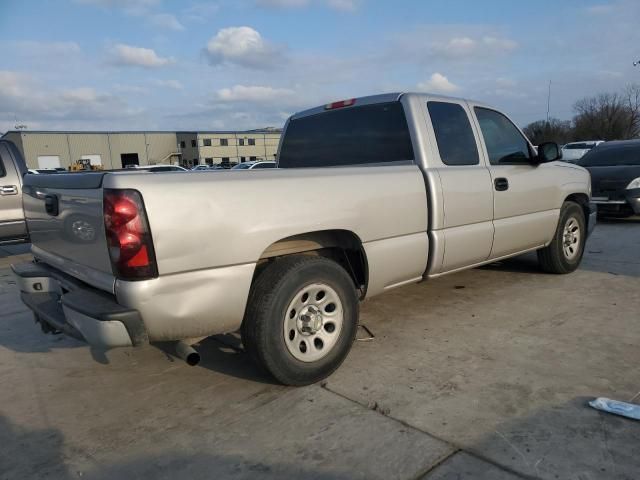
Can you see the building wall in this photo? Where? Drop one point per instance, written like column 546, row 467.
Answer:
column 127, row 143
column 37, row 144
column 151, row 147
column 89, row 144
column 189, row 152
column 265, row 148
column 162, row 147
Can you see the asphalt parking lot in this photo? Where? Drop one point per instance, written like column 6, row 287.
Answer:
column 480, row 375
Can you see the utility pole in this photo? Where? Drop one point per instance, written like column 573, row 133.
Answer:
column 548, row 101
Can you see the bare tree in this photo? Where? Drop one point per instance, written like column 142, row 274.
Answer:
column 608, row 116
column 554, row 130
column 632, row 102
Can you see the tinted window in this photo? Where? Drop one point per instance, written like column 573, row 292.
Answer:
column 578, row 146
column 611, row 156
column 242, row 166
column 454, row 136
column 505, row 143
column 350, row 136
column 3, row 172
column 264, row 165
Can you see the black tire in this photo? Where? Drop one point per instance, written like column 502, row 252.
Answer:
column 553, row 258
column 271, row 294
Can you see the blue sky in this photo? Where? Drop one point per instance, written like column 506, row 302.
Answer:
column 164, row 64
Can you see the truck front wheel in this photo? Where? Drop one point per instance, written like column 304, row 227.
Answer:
column 301, row 318
column 564, row 253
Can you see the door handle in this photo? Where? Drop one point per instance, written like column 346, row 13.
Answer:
column 501, row 184
column 8, row 190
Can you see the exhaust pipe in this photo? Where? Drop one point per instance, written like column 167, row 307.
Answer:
column 187, row 353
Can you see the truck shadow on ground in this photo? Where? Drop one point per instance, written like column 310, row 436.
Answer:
column 567, row 440
column 45, row 453
column 223, row 354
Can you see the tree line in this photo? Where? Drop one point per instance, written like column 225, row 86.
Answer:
column 606, row 116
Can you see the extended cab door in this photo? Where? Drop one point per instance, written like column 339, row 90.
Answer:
column 525, row 214
column 463, row 229
column 12, row 224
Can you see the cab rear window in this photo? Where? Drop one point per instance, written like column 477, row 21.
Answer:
column 370, row 134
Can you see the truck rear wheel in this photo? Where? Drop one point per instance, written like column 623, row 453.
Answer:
column 564, row 253
column 301, row 318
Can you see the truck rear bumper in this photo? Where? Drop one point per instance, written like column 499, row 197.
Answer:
column 75, row 309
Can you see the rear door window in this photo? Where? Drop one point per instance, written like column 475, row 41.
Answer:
column 370, row 134
column 3, row 171
column 456, row 143
column 505, row 144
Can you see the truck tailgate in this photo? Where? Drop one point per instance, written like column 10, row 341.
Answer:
column 65, row 220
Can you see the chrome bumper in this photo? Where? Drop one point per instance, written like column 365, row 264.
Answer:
column 592, row 219
column 62, row 303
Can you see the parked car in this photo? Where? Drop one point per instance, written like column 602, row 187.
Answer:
column 198, row 168
column 572, row 152
column 13, row 228
column 254, row 165
column 160, row 168
column 370, row 194
column 615, row 177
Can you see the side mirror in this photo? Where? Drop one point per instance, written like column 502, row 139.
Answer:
column 548, row 152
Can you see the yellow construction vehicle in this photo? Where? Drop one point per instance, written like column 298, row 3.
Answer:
column 84, row 164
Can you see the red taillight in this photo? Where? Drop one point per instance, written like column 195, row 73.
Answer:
column 128, row 235
column 340, row 104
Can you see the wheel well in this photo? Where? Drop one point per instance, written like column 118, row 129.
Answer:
column 342, row 246
column 581, row 199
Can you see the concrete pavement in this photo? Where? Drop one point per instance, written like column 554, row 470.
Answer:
column 479, row 375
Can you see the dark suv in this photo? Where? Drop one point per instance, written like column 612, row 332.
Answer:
column 615, row 177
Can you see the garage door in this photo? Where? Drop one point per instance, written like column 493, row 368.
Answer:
column 48, row 161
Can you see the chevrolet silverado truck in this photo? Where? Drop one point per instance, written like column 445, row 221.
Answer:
column 13, row 228
column 370, row 194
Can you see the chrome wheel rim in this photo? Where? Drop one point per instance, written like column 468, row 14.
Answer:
column 313, row 322
column 571, row 238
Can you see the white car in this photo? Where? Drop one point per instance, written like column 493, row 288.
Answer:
column 572, row 152
column 161, row 168
column 253, row 165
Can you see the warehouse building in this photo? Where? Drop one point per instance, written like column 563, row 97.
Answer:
column 112, row 150
column 218, row 147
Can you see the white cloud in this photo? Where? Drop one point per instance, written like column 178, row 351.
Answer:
column 242, row 46
column 23, row 97
column 174, row 84
column 138, row 56
column 438, row 83
column 166, row 20
column 255, row 94
column 466, row 46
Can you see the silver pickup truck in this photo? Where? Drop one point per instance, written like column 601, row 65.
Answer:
column 370, row 194
column 13, row 228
